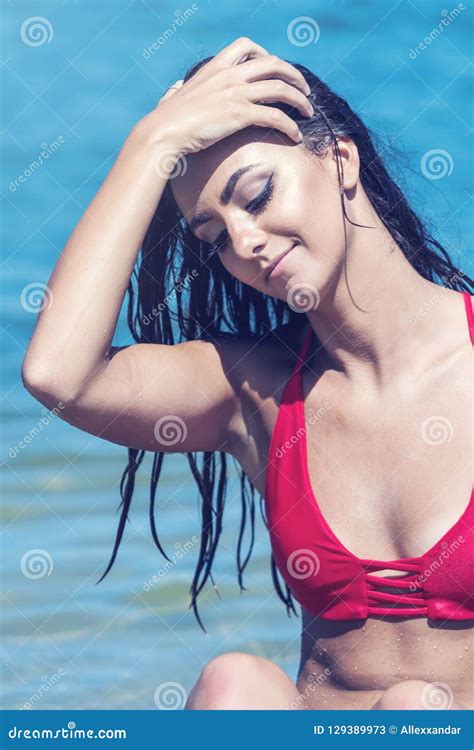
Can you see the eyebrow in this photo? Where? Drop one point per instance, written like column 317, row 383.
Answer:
column 225, row 196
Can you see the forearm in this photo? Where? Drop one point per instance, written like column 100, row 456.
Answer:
column 74, row 331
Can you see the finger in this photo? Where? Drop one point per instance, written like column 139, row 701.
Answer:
column 274, row 119
column 172, row 89
column 238, row 52
column 278, row 91
column 272, row 66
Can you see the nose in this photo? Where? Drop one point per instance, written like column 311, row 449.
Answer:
column 247, row 239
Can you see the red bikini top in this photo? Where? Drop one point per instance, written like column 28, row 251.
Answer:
column 323, row 575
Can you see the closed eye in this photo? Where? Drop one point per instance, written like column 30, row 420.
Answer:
column 255, row 207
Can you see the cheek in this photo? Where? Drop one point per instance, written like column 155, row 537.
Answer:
column 313, row 207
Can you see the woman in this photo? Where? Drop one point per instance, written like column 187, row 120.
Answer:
column 294, row 247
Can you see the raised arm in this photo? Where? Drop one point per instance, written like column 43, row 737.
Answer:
column 126, row 395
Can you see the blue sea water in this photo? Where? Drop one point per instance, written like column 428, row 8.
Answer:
column 74, row 82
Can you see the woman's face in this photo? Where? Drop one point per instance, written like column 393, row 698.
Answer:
column 256, row 195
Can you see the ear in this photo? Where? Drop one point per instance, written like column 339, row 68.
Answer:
column 349, row 161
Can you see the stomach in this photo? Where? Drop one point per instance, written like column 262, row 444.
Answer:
column 349, row 664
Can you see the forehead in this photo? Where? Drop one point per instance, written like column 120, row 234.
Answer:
column 205, row 173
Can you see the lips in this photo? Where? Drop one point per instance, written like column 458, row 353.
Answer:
column 275, row 262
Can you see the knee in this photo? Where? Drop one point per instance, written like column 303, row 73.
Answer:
column 221, row 679
column 416, row 694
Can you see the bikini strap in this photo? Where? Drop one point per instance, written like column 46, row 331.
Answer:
column 469, row 313
column 300, row 360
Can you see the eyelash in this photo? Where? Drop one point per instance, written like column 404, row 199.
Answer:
column 256, row 206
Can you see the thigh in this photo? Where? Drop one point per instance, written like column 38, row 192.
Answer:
column 418, row 695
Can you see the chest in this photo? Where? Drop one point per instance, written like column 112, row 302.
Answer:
column 390, row 475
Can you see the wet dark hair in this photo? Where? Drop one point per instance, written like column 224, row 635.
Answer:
column 218, row 305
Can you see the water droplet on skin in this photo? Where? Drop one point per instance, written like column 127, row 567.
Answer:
column 460, row 656
column 84, row 330
column 466, row 648
column 356, row 667
column 398, row 639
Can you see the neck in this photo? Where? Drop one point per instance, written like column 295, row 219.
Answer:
column 375, row 325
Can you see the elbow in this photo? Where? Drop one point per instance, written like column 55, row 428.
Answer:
column 43, row 385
